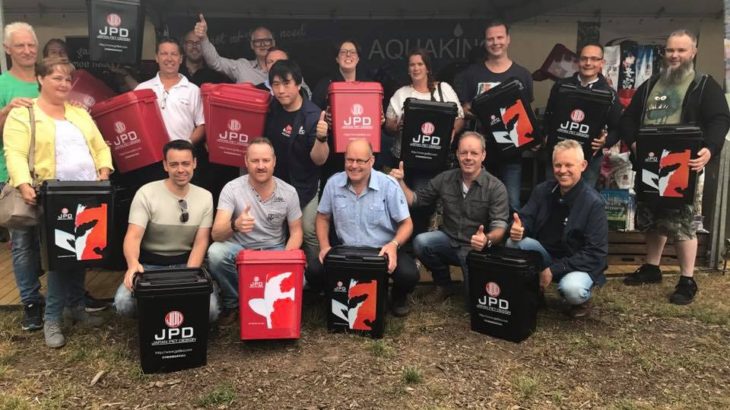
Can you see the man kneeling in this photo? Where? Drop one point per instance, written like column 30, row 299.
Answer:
column 169, row 225
column 565, row 221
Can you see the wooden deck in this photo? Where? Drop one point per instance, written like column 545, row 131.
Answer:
column 625, row 254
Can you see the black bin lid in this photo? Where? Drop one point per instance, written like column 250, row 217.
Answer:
column 412, row 104
column 355, row 253
column 76, row 187
column 167, row 281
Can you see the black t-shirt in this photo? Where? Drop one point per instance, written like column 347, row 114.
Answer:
column 204, row 75
column 477, row 77
column 551, row 234
column 293, row 136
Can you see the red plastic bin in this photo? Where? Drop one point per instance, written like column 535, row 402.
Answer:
column 270, row 293
column 234, row 115
column 132, row 126
column 88, row 90
column 356, row 112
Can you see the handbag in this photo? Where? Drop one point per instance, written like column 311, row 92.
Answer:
column 15, row 213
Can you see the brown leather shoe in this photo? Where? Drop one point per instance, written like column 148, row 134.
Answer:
column 579, row 311
column 228, row 317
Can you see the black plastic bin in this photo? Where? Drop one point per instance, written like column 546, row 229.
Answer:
column 356, row 290
column 504, row 292
column 507, row 118
column 173, row 307
column 77, row 225
column 579, row 114
column 426, row 136
column 664, row 178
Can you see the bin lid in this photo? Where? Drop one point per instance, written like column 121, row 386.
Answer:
column 588, row 94
column 167, row 281
column 507, row 87
column 123, row 100
column 51, row 186
column 355, row 253
column 680, row 130
column 430, row 106
column 258, row 257
column 505, row 256
column 355, row 87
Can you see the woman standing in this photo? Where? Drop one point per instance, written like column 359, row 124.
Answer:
column 68, row 147
column 423, row 86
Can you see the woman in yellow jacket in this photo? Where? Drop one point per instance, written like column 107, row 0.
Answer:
column 68, row 147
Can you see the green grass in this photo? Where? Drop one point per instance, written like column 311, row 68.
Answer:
column 412, row 375
column 379, row 348
column 526, row 386
column 223, row 395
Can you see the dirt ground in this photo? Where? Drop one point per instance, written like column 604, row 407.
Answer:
column 636, row 351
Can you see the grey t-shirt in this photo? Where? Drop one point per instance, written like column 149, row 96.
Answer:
column 270, row 216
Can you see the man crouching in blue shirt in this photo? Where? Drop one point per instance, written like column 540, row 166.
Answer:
column 565, row 221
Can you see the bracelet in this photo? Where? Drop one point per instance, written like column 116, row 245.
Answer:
column 397, row 245
column 322, row 139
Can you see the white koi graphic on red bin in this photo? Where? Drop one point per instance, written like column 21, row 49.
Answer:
column 266, row 307
column 360, row 312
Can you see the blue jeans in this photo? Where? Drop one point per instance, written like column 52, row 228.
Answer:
column 574, row 286
column 510, row 173
column 222, row 264
column 126, row 304
column 590, row 175
column 65, row 289
column 435, row 251
column 26, row 263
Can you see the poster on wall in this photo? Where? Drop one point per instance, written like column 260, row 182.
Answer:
column 116, row 28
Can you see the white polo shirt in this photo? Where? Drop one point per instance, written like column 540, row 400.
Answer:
column 181, row 106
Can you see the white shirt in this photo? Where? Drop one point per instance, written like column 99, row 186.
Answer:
column 73, row 158
column 181, row 106
column 395, row 108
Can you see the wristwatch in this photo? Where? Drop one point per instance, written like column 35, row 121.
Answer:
column 324, row 139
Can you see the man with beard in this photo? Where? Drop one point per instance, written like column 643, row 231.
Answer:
column 254, row 212
column 194, row 67
column 169, row 225
column 677, row 95
column 475, row 212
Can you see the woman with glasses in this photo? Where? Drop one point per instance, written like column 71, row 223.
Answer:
column 423, row 86
column 347, row 56
column 68, row 147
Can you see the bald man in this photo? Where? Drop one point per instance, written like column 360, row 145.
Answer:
column 369, row 209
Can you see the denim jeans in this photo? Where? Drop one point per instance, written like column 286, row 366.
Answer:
column 222, row 264
column 590, row 175
column 126, row 304
column 435, row 251
column 65, row 289
column 26, row 263
column 510, row 173
column 574, row 286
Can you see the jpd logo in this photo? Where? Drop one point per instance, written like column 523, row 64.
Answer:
column 357, row 109
column 427, row 128
column 119, row 127
column 493, row 289
column 234, row 125
column 113, row 20
column 174, row 319
column 577, row 115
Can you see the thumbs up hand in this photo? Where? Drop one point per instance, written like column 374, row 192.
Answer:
column 479, row 240
column 518, row 230
column 201, row 28
column 398, row 173
column 322, row 127
column 245, row 222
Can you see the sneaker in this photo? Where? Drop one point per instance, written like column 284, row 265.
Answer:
column 684, row 292
column 438, row 294
column 93, row 304
column 399, row 305
column 645, row 274
column 227, row 317
column 579, row 311
column 78, row 315
column 54, row 337
column 32, row 317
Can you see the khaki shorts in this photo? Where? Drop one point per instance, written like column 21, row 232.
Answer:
column 675, row 223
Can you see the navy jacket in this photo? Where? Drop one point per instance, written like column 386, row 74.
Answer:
column 586, row 231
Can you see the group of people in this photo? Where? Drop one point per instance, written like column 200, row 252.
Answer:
column 295, row 192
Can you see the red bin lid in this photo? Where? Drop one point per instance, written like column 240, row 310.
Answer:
column 256, row 257
column 355, row 87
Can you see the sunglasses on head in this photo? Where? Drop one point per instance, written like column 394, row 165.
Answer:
column 184, row 215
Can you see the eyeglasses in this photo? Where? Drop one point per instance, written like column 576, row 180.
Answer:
column 346, row 53
column 184, row 215
column 163, row 102
column 263, row 42
column 591, row 59
column 357, row 161
column 191, row 43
